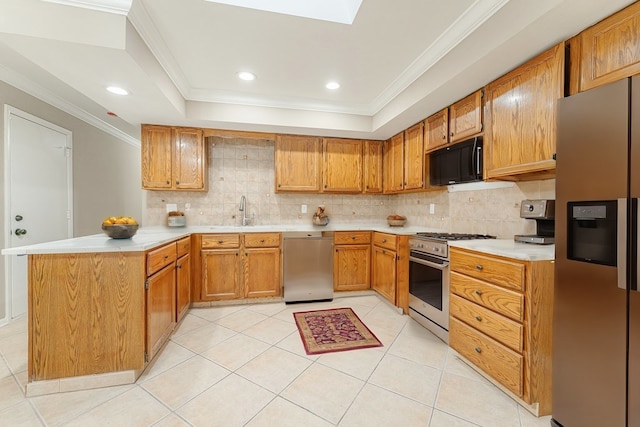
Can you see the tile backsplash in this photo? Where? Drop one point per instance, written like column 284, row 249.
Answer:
column 245, row 167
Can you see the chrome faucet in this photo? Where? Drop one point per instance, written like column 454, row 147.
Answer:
column 243, row 209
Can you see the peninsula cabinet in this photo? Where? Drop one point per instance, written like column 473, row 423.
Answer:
column 404, row 161
column 298, row 163
column 501, row 313
column 173, row 158
column 390, row 268
column 352, row 260
column 235, row 266
column 520, row 135
column 609, row 49
column 460, row 121
column 372, row 167
column 342, row 165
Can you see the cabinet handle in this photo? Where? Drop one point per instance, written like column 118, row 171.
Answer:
column 479, row 292
column 478, row 350
column 479, row 267
column 479, row 319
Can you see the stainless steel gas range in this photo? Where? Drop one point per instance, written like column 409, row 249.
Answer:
column 429, row 279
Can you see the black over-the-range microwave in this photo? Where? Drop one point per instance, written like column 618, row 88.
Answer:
column 461, row 162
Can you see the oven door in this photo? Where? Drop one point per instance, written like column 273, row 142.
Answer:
column 429, row 291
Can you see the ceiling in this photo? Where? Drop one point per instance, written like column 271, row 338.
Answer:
column 398, row 62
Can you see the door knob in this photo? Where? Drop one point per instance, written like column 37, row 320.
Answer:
column 20, row 231
column 19, row 218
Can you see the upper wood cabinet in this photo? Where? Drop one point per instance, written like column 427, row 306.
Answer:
column 404, row 161
column 298, row 163
column 520, row 138
column 436, row 130
column 173, row 158
column 372, row 166
column 342, row 165
column 460, row 121
column 609, row 49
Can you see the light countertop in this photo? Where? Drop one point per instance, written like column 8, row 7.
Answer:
column 150, row 237
column 509, row 248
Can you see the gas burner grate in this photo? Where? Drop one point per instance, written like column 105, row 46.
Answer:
column 454, row 236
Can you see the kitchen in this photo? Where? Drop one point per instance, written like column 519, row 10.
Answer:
column 491, row 208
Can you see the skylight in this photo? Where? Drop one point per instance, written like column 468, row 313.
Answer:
column 340, row 11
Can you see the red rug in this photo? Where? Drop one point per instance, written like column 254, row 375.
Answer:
column 336, row 329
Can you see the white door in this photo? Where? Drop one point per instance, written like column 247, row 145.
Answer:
column 39, row 197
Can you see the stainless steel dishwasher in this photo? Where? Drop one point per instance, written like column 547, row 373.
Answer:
column 307, row 266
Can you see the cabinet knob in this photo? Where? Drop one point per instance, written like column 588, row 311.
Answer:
column 168, row 182
column 479, row 292
column 478, row 350
column 451, row 134
column 262, row 241
column 177, row 182
column 166, row 256
column 479, row 319
column 479, row 267
column 384, row 240
column 353, row 237
column 444, row 136
column 219, row 242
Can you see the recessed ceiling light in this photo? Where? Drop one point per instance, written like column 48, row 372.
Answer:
column 247, row 76
column 117, row 90
column 332, row 85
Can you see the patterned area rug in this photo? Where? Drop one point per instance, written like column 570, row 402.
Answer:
column 336, row 329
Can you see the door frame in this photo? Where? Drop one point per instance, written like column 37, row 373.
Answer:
column 8, row 111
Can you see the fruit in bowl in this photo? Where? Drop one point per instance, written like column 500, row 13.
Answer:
column 121, row 227
column 396, row 220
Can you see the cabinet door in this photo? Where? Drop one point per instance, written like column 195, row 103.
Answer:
column 521, row 123
column 465, row 117
column 160, row 308
column 156, row 157
column 342, row 161
column 298, row 164
column 414, row 157
column 220, row 274
column 183, row 286
column 261, row 272
column 610, row 49
column 384, row 276
column 436, row 130
column 189, row 162
column 351, row 267
column 372, row 169
column 393, row 164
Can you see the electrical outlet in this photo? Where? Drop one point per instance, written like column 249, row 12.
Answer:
column 432, row 208
column 303, row 209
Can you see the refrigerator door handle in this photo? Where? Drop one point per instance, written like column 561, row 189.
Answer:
column 622, row 243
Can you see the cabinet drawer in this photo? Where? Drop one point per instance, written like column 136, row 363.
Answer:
column 385, row 240
column 500, row 362
column 494, row 325
column 504, row 301
column 160, row 257
column 220, row 241
column 351, row 237
column 184, row 246
column 262, row 240
column 494, row 270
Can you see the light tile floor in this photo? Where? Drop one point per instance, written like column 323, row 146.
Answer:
column 246, row 366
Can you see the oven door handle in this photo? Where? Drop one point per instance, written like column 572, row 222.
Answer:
column 429, row 263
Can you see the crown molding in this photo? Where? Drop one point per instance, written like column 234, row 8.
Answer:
column 120, row 7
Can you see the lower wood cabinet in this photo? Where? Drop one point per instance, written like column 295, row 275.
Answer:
column 235, row 266
column 183, row 278
column 351, row 260
column 501, row 317
column 390, row 268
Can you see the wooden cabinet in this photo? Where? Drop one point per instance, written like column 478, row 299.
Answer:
column 234, row 266
column 183, row 277
column 460, row 121
column 609, row 49
column 342, row 165
column 501, row 315
column 372, row 167
column 298, row 163
column 261, row 265
column 160, row 289
column 520, row 139
column 390, row 268
column 404, row 161
column 173, row 158
column 352, row 260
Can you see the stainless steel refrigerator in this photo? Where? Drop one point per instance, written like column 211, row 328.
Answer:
column 596, row 325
